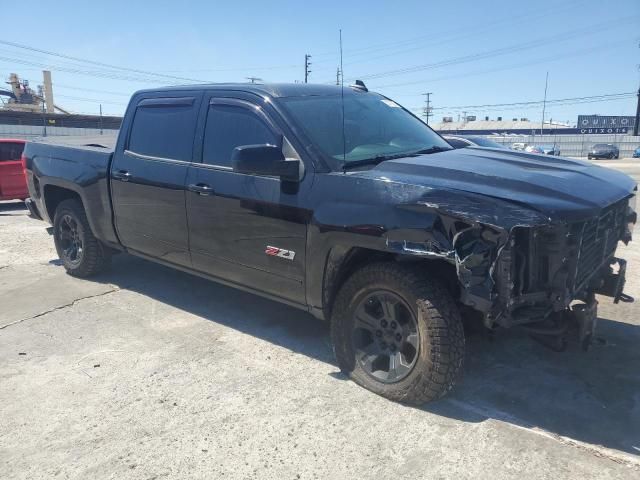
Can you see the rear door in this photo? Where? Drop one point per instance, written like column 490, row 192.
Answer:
column 12, row 180
column 148, row 176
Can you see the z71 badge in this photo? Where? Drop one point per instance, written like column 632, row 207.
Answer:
column 280, row 252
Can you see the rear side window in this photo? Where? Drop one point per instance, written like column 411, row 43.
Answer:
column 164, row 128
column 10, row 151
column 229, row 127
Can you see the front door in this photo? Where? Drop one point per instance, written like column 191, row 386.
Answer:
column 244, row 228
column 148, row 177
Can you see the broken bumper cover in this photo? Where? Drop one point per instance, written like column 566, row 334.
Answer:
column 613, row 282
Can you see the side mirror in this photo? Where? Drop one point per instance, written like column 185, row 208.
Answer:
column 265, row 160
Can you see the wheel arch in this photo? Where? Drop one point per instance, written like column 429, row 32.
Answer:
column 343, row 262
column 54, row 195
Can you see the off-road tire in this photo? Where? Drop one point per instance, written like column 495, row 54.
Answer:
column 441, row 336
column 95, row 256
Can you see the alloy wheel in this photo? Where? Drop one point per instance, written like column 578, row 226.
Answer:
column 70, row 239
column 385, row 339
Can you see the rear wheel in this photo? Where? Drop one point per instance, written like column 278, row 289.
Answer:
column 612, row 156
column 81, row 252
column 398, row 333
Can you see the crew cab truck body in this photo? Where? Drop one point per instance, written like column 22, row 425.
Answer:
column 343, row 203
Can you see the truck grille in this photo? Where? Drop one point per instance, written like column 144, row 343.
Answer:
column 598, row 239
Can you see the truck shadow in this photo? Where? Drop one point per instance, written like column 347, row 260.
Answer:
column 12, row 207
column 592, row 397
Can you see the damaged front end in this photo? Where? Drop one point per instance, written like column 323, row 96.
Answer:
column 539, row 273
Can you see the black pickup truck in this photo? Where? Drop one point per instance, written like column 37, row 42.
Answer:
column 342, row 203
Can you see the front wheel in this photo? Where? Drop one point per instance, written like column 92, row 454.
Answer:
column 398, row 333
column 81, row 252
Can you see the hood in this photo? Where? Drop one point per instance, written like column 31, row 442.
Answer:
column 559, row 188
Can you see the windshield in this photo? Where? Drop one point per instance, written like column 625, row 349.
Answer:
column 374, row 127
column 485, row 142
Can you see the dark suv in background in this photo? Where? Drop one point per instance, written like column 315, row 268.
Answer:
column 603, row 150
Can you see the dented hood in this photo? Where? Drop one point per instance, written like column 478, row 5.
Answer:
column 558, row 187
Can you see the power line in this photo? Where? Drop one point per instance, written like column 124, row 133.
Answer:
column 100, row 64
column 453, row 33
column 592, row 29
column 448, row 39
column 83, row 89
column 535, row 102
column 551, row 58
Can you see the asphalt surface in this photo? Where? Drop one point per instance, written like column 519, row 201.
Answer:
column 149, row 373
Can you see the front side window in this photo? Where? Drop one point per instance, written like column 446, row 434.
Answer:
column 374, row 126
column 164, row 130
column 228, row 127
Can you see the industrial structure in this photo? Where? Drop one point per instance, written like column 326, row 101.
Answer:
column 22, row 98
column 25, row 112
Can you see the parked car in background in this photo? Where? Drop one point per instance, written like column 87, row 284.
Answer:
column 518, row 146
column 534, row 149
column 462, row 141
column 636, row 153
column 13, row 185
column 603, row 150
column 550, row 149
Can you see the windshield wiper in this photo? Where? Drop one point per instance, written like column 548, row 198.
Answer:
column 434, row 149
column 381, row 158
column 372, row 161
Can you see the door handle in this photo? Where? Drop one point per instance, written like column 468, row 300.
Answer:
column 200, row 189
column 122, row 175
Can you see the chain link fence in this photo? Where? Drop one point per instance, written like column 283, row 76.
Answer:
column 572, row 145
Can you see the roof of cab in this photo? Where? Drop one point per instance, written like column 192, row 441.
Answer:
column 274, row 90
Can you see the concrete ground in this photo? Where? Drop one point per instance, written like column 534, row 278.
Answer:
column 148, row 373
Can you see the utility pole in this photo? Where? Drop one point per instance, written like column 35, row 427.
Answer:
column 544, row 102
column 100, row 119
column 254, row 79
column 427, row 108
column 635, row 126
column 338, row 73
column 44, row 119
column 307, row 64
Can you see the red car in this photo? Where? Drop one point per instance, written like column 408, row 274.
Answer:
column 13, row 183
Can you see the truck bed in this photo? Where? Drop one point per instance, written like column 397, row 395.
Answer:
column 77, row 163
column 106, row 142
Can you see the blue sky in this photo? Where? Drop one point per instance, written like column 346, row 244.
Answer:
column 466, row 52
